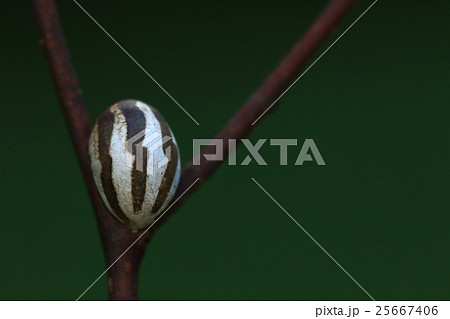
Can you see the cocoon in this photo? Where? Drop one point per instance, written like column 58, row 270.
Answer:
column 135, row 162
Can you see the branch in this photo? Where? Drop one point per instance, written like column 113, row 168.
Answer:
column 270, row 90
column 122, row 277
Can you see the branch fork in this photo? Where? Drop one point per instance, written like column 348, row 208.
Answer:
column 115, row 238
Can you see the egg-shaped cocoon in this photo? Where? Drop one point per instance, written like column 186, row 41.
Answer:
column 135, row 162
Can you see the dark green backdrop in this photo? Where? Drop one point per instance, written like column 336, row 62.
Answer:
column 377, row 106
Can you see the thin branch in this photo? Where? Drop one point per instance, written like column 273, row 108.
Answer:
column 122, row 277
column 270, row 90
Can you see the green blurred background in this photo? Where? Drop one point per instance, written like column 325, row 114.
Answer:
column 377, row 106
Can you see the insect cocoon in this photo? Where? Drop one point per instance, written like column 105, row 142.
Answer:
column 135, row 162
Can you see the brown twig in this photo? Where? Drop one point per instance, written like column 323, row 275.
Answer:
column 278, row 81
column 122, row 277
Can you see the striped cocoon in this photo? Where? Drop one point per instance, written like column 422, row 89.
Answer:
column 135, row 162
